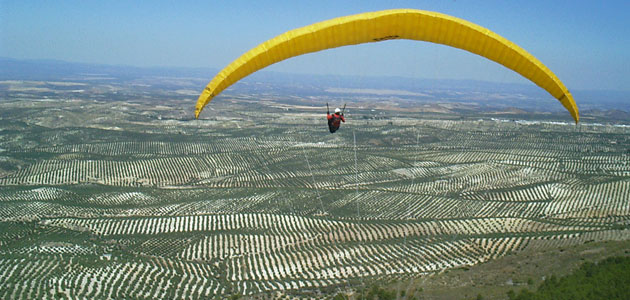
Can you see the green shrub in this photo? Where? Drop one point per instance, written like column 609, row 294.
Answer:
column 608, row 279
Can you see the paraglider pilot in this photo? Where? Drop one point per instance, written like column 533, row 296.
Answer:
column 334, row 120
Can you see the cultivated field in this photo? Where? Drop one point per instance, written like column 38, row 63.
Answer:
column 134, row 200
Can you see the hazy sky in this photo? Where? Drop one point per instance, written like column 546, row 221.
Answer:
column 584, row 42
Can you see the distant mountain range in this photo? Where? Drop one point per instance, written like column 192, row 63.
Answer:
column 14, row 69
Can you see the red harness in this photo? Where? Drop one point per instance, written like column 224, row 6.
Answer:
column 334, row 121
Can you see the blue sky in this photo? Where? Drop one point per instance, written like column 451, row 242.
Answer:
column 584, row 42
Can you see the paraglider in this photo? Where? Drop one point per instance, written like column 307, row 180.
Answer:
column 385, row 25
column 334, row 120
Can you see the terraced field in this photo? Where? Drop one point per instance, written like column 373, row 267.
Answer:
column 143, row 207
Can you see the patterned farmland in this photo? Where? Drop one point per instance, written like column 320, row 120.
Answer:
column 201, row 209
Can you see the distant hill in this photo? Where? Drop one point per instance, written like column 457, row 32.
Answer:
column 502, row 95
column 14, row 69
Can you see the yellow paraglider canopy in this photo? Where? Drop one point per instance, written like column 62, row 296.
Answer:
column 385, row 25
